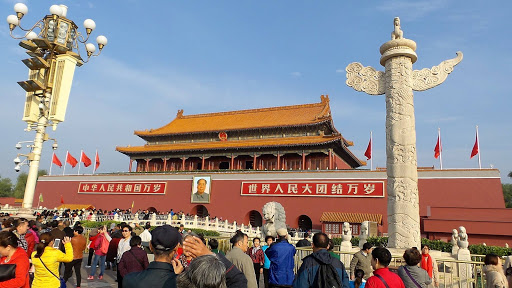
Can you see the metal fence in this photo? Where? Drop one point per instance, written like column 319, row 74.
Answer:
column 452, row 273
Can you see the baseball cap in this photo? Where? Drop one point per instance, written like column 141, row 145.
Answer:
column 165, row 237
column 282, row 232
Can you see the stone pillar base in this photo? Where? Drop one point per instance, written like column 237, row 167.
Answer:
column 27, row 213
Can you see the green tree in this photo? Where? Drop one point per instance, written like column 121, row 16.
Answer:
column 507, row 194
column 5, row 187
column 21, row 182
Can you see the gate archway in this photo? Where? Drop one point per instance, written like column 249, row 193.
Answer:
column 200, row 211
column 255, row 218
column 305, row 223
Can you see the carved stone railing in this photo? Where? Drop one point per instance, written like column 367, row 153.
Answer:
column 224, row 227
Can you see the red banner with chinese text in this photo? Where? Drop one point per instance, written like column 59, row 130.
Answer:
column 122, row 187
column 315, row 189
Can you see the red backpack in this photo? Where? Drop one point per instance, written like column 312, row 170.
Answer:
column 104, row 245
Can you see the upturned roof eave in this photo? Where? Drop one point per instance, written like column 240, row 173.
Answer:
column 119, row 149
column 144, row 135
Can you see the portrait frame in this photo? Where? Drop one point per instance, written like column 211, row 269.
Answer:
column 194, row 196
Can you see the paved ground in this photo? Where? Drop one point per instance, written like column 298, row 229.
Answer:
column 109, row 278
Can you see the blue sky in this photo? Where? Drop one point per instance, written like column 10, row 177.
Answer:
column 211, row 56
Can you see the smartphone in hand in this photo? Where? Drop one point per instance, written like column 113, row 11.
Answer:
column 56, row 243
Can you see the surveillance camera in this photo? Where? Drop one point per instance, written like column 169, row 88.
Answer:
column 17, row 168
column 17, row 160
column 55, row 146
column 18, row 146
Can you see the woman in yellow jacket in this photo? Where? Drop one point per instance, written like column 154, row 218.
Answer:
column 51, row 257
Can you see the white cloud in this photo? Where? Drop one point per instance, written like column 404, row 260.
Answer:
column 340, row 70
column 296, row 74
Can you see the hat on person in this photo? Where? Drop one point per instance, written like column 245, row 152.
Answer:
column 282, row 232
column 165, row 237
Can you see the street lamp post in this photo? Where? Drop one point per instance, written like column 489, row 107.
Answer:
column 53, row 45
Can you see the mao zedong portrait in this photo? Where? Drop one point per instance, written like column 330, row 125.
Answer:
column 201, row 194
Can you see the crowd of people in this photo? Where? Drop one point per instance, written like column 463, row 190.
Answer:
column 37, row 254
column 87, row 214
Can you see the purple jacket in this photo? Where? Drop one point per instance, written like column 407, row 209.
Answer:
column 131, row 261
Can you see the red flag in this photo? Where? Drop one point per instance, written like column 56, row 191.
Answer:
column 56, row 160
column 475, row 148
column 368, row 152
column 97, row 161
column 439, row 147
column 84, row 159
column 71, row 160
column 61, row 199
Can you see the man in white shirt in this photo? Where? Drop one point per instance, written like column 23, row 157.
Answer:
column 145, row 237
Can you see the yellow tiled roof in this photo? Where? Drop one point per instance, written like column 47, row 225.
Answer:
column 245, row 119
column 247, row 143
column 339, row 217
column 76, row 206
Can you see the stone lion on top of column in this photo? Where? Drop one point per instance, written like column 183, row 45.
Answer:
column 275, row 218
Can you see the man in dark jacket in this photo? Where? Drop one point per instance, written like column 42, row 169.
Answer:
column 304, row 242
column 281, row 256
column 161, row 272
column 307, row 274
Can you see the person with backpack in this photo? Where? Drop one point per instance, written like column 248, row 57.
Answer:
column 100, row 252
column 320, row 269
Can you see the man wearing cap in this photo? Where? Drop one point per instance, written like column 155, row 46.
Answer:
column 161, row 272
column 281, row 256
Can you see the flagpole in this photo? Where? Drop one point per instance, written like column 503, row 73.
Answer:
column 65, row 163
column 440, row 148
column 51, row 164
column 81, row 152
column 478, row 145
column 371, row 150
column 94, row 168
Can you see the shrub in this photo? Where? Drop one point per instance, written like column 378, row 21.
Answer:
column 437, row 245
column 375, row 241
column 206, row 233
column 91, row 224
column 483, row 250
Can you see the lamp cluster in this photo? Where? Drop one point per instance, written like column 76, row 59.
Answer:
column 30, row 156
column 53, row 44
column 55, row 32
